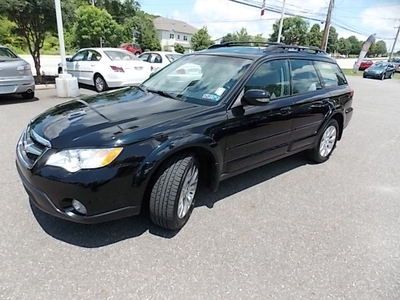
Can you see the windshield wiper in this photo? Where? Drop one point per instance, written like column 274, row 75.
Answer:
column 162, row 93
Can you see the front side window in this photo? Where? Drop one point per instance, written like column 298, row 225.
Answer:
column 82, row 55
column 144, row 56
column 330, row 73
column 201, row 79
column 304, row 76
column 273, row 77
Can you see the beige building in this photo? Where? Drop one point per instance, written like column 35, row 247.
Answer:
column 171, row 32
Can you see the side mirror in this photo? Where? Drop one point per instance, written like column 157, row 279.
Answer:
column 68, row 59
column 256, row 97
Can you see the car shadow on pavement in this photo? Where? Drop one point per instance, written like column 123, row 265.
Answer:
column 99, row 235
column 15, row 99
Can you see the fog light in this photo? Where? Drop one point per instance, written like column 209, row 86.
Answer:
column 79, row 207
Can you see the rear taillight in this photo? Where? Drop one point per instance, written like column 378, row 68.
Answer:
column 117, row 69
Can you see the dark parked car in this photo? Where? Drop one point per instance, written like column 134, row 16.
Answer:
column 365, row 64
column 380, row 70
column 148, row 147
column 396, row 63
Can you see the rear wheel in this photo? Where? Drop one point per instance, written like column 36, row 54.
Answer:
column 172, row 196
column 28, row 95
column 99, row 83
column 326, row 142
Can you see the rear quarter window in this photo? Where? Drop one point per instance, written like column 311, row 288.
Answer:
column 331, row 74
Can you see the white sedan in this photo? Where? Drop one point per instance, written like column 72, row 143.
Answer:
column 106, row 68
column 159, row 59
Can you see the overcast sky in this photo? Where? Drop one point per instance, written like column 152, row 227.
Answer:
column 224, row 16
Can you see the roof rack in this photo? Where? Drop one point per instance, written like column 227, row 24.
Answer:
column 289, row 48
column 271, row 46
column 236, row 43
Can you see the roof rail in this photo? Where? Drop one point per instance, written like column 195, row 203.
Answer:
column 288, row 48
column 237, row 43
column 271, row 46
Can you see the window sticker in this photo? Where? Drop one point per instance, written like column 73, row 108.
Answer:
column 211, row 97
column 219, row 91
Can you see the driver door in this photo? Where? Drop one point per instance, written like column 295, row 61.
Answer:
column 257, row 134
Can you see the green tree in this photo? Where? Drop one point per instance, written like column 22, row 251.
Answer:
column 332, row 40
column 119, row 10
column 355, row 45
column 201, row 39
column 380, row 48
column 258, row 38
column 294, row 31
column 94, row 24
column 243, row 36
column 146, row 35
column 344, row 46
column 6, row 31
column 314, row 36
column 179, row 48
column 230, row 37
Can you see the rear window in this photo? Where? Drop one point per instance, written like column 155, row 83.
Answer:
column 115, row 55
column 6, row 53
column 330, row 73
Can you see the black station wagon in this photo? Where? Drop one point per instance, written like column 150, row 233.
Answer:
column 206, row 117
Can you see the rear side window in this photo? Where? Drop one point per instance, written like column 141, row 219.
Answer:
column 273, row 77
column 330, row 73
column 304, row 76
column 5, row 52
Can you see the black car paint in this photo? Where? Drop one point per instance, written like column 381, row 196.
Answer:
column 230, row 137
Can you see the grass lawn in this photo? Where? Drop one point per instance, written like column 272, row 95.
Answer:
column 349, row 72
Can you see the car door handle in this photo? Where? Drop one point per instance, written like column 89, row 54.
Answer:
column 285, row 111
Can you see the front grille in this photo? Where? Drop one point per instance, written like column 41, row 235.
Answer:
column 31, row 147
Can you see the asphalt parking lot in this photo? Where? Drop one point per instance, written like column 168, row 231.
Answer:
column 288, row 230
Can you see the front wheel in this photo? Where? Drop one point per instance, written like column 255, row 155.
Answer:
column 172, row 196
column 326, row 142
column 99, row 83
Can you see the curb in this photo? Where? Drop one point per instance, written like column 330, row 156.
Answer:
column 45, row 86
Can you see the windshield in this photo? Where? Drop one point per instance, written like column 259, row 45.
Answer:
column 202, row 79
column 378, row 66
column 173, row 57
column 6, row 53
column 116, row 55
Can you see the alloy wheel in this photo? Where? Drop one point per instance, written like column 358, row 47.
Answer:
column 328, row 140
column 188, row 191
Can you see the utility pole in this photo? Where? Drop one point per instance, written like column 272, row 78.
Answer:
column 394, row 43
column 281, row 21
column 327, row 25
column 60, row 31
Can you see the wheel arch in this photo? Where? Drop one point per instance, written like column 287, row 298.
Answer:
column 209, row 165
column 338, row 116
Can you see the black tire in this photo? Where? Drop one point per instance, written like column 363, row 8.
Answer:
column 28, row 95
column 314, row 154
column 364, row 76
column 99, row 83
column 165, row 193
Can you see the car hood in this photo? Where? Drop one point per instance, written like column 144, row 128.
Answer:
column 116, row 118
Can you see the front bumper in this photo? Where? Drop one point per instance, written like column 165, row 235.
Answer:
column 106, row 193
column 17, row 85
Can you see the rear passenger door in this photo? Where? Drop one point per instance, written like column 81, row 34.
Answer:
column 311, row 103
column 256, row 134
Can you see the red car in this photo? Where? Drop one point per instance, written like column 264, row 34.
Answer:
column 134, row 48
column 365, row 64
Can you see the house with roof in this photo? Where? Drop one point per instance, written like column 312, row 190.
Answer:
column 171, row 32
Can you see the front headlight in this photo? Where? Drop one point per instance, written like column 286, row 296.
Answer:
column 77, row 159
